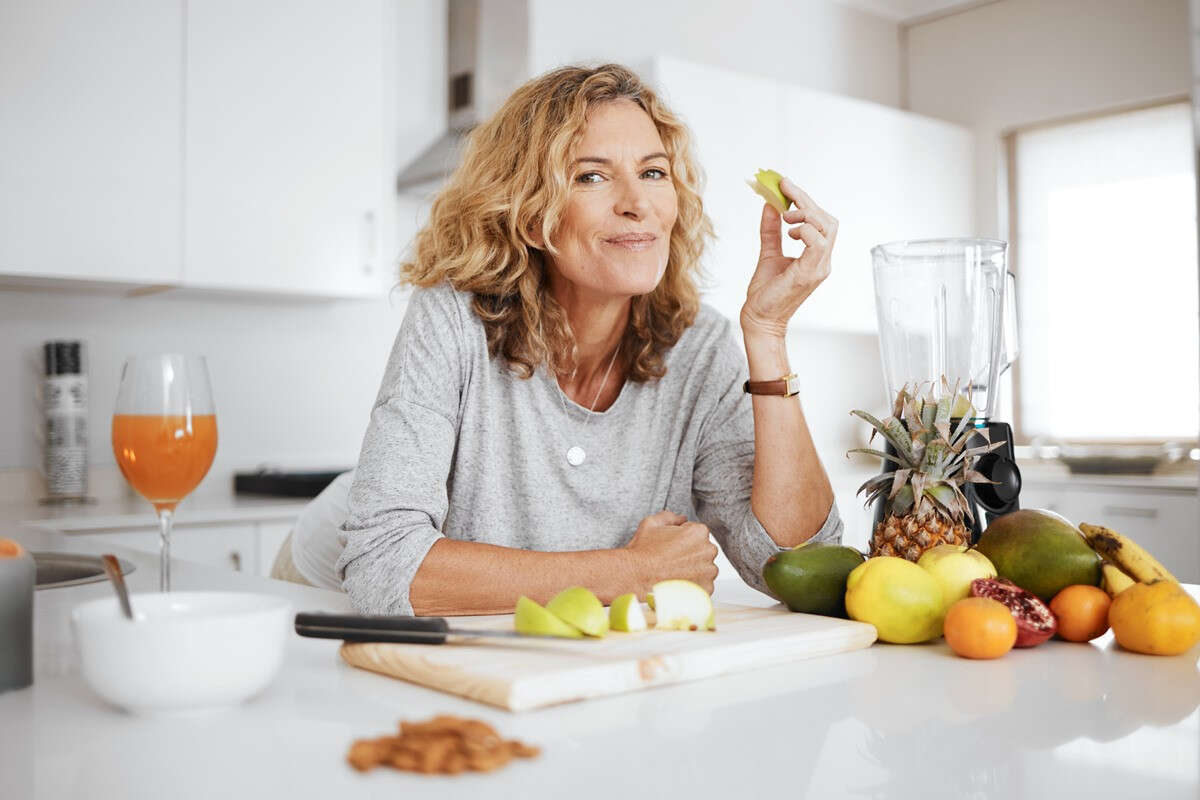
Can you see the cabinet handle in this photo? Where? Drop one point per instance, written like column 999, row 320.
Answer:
column 370, row 242
column 235, row 559
column 1131, row 511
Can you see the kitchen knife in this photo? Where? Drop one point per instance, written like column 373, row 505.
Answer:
column 408, row 630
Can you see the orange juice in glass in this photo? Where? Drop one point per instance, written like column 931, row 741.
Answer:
column 164, row 435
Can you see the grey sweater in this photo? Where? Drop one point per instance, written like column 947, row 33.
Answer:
column 459, row 446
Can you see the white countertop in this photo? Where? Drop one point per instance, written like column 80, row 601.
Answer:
column 1061, row 720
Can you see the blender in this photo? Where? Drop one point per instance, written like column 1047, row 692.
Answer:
column 946, row 309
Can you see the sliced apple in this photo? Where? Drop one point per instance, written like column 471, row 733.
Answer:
column 765, row 184
column 682, row 606
column 533, row 620
column 577, row 606
column 650, row 600
column 626, row 615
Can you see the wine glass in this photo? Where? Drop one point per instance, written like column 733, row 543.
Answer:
column 164, row 435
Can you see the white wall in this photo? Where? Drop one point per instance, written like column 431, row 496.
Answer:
column 812, row 43
column 294, row 382
column 1017, row 62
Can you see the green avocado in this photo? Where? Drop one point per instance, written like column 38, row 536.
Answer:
column 811, row 578
column 1039, row 551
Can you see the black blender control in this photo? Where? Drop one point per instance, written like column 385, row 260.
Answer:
column 1006, row 487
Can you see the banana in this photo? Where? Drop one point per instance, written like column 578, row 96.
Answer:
column 1125, row 553
column 1114, row 581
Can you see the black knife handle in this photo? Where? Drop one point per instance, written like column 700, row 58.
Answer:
column 360, row 628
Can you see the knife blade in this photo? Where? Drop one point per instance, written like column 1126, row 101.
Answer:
column 401, row 629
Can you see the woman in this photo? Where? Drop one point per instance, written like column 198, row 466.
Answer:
column 559, row 409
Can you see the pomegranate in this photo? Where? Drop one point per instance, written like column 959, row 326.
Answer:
column 1035, row 621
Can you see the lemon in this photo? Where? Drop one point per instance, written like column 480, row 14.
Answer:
column 902, row 601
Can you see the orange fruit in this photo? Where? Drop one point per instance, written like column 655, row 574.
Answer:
column 980, row 627
column 1158, row 618
column 1082, row 612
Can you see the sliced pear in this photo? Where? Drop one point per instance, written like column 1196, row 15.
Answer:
column 711, row 625
column 765, row 183
column 577, row 606
column 682, row 606
column 626, row 615
column 650, row 600
column 533, row 620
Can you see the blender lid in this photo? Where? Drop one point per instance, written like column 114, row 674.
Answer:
column 932, row 248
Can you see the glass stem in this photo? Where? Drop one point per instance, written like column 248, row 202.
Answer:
column 164, row 564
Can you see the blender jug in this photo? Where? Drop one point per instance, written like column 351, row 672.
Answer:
column 942, row 306
column 946, row 310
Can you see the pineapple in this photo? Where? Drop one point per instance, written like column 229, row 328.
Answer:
column 924, row 505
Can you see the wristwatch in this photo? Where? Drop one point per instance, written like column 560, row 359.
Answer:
column 787, row 386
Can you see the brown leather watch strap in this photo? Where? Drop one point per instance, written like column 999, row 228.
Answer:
column 786, row 386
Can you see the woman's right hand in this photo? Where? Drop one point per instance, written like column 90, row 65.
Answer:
column 666, row 546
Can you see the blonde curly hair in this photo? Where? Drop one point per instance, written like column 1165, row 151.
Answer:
column 515, row 176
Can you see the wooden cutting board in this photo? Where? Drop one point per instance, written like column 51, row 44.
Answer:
column 520, row 674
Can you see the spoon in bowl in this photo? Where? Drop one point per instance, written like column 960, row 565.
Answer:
column 113, row 568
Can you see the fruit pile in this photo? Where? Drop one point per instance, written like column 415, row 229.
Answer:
column 576, row 612
column 1031, row 575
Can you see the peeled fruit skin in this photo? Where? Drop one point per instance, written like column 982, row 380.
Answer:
column 1039, row 551
column 811, row 579
column 533, row 620
column 766, row 184
column 953, row 566
column 1158, row 619
column 682, row 606
column 979, row 627
column 625, row 614
column 1035, row 621
column 900, row 599
column 577, row 606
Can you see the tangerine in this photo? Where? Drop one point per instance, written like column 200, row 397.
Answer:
column 980, row 627
column 1082, row 612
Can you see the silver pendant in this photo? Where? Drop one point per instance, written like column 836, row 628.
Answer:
column 576, row 456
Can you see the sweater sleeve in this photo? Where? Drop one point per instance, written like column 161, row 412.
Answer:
column 724, row 471
column 399, row 501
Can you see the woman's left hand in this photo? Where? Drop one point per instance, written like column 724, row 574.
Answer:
column 781, row 283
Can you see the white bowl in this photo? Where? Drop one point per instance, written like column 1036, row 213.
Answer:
column 184, row 651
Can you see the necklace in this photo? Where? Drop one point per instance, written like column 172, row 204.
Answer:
column 576, row 455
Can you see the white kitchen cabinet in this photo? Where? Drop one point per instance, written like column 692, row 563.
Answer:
column 91, row 109
column 1164, row 521
column 230, row 546
column 286, row 181
column 737, row 122
column 885, row 174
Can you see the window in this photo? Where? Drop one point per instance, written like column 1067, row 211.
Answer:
column 1105, row 213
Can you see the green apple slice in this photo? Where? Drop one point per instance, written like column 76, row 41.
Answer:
column 682, row 606
column 533, row 620
column 650, row 600
column 579, row 607
column 626, row 615
column 765, row 183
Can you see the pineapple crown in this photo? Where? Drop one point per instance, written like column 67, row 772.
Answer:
column 932, row 461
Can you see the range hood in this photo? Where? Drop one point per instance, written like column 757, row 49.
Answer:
column 487, row 57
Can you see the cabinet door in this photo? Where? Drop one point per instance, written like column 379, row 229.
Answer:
column 91, row 168
column 737, row 123
column 885, row 174
column 231, row 547
column 1162, row 522
column 285, row 168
